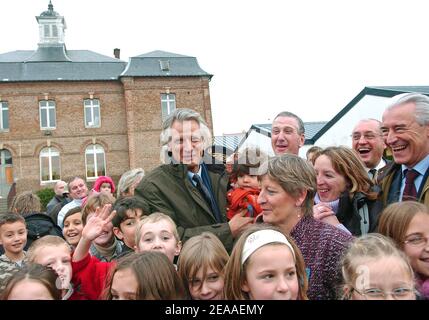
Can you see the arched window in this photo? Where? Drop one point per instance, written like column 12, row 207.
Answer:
column 49, row 165
column 95, row 161
column 6, row 172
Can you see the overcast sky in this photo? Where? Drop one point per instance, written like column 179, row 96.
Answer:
column 310, row 57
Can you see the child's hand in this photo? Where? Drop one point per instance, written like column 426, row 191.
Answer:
column 96, row 222
column 239, row 223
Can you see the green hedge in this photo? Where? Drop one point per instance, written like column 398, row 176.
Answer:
column 45, row 196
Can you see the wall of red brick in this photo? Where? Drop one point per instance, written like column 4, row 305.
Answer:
column 130, row 123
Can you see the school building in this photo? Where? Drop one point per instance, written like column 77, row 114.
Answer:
column 66, row 113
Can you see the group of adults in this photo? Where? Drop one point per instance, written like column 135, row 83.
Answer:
column 321, row 203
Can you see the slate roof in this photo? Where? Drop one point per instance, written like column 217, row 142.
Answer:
column 230, row 141
column 149, row 65
column 53, row 63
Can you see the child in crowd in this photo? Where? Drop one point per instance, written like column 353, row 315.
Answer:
column 13, row 238
column 104, row 184
column 158, row 232
column 72, row 229
column 374, row 269
column 311, row 153
column 38, row 224
column 407, row 223
column 33, row 282
column 89, row 273
column 246, row 189
column 55, row 253
column 252, row 274
column 128, row 214
column 201, row 266
column 105, row 247
column 144, row 276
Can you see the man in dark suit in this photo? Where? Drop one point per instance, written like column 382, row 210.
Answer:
column 406, row 131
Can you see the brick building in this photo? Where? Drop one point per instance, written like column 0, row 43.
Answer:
column 66, row 113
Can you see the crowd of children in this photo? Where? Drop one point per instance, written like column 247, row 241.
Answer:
column 114, row 250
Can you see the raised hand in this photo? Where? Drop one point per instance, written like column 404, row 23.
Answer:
column 93, row 228
column 96, row 221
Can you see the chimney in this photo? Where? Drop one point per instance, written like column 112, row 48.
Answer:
column 117, row 53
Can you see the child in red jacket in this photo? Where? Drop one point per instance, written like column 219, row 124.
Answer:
column 245, row 192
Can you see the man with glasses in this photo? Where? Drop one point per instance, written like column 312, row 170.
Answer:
column 367, row 141
column 405, row 130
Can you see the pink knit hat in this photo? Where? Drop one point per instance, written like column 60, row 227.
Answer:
column 101, row 180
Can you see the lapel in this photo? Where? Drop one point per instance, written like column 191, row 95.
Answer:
column 197, row 196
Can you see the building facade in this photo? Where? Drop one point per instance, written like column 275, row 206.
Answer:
column 66, row 113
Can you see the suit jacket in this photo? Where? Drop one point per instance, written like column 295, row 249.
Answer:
column 391, row 186
column 168, row 189
column 381, row 173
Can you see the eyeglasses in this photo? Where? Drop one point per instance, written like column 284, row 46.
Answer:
column 367, row 136
column 378, row 294
column 417, row 241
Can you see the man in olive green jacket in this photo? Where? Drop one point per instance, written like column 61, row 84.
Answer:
column 405, row 129
column 170, row 188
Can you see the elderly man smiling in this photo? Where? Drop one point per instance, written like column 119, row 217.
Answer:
column 406, row 131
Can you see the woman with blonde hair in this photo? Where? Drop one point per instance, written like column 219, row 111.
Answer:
column 201, row 266
column 407, row 223
column 128, row 182
column 346, row 196
column 288, row 186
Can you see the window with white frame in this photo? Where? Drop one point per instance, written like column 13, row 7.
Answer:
column 92, row 113
column 95, row 161
column 47, row 114
column 4, row 116
column 168, row 104
column 49, row 164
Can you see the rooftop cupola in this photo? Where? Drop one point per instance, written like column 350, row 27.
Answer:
column 51, row 27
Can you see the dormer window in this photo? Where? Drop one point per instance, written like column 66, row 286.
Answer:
column 164, row 65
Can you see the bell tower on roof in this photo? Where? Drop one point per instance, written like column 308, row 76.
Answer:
column 51, row 27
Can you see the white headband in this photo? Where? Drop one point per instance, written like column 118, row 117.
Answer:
column 261, row 238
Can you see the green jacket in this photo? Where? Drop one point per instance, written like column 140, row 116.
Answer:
column 388, row 187
column 167, row 189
